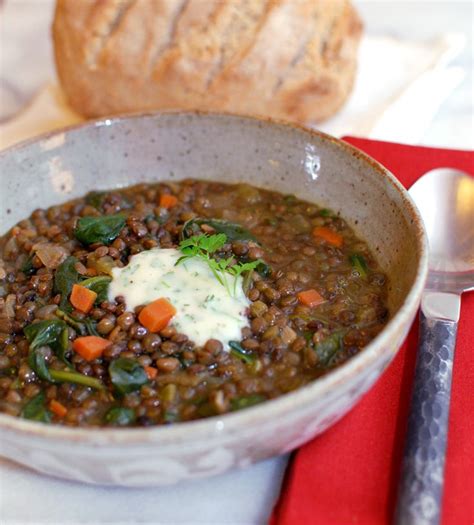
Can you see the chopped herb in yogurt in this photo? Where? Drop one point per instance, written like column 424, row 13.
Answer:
column 205, row 308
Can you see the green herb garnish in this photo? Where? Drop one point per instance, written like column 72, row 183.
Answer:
column 127, row 375
column 204, row 246
column 104, row 229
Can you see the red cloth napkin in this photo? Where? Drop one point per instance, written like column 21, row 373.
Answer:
column 349, row 475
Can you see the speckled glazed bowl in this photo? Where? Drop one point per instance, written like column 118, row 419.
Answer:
column 313, row 166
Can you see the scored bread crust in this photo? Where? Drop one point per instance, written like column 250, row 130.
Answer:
column 287, row 59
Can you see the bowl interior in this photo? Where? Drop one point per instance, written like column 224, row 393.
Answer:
column 313, row 166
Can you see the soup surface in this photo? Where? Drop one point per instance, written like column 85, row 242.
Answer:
column 170, row 302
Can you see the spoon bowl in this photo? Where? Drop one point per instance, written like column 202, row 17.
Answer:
column 445, row 198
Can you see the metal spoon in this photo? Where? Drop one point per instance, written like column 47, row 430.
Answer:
column 445, row 198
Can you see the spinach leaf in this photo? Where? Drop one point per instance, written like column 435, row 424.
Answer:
column 27, row 267
column 204, row 409
column 103, row 229
column 52, row 333
column 69, row 376
column 238, row 351
column 120, row 416
column 64, row 279
column 44, row 333
column 325, row 212
column 127, row 375
column 289, row 199
column 85, row 326
column 272, row 221
column 99, row 285
column 328, row 348
column 168, row 392
column 37, row 363
column 263, row 268
column 62, row 346
column 247, row 281
column 246, row 401
column 171, row 416
column 95, row 199
column 36, row 410
column 260, row 267
column 90, row 326
column 11, row 371
column 359, row 264
column 233, row 231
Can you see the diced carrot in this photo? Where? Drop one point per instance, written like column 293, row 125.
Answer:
column 156, row 315
column 82, row 298
column 167, row 200
column 310, row 298
column 151, row 372
column 57, row 408
column 328, row 235
column 90, row 347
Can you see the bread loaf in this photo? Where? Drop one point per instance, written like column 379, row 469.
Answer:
column 288, row 59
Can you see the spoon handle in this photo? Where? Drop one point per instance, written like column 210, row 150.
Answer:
column 421, row 487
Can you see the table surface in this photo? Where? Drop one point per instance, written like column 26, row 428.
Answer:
column 243, row 497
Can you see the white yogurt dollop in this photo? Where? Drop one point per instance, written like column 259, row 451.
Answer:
column 205, row 309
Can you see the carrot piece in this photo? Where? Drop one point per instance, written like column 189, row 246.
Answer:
column 82, row 298
column 167, row 200
column 90, row 347
column 57, row 408
column 310, row 298
column 156, row 315
column 328, row 235
column 151, row 372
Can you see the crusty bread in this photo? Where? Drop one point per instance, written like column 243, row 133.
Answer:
column 288, row 59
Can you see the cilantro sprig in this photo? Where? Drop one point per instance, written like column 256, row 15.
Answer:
column 204, row 247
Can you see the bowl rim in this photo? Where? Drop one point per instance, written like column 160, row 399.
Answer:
column 230, row 423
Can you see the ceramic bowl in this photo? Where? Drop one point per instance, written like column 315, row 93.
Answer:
column 123, row 151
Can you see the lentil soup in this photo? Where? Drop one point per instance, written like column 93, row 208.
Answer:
column 170, row 302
